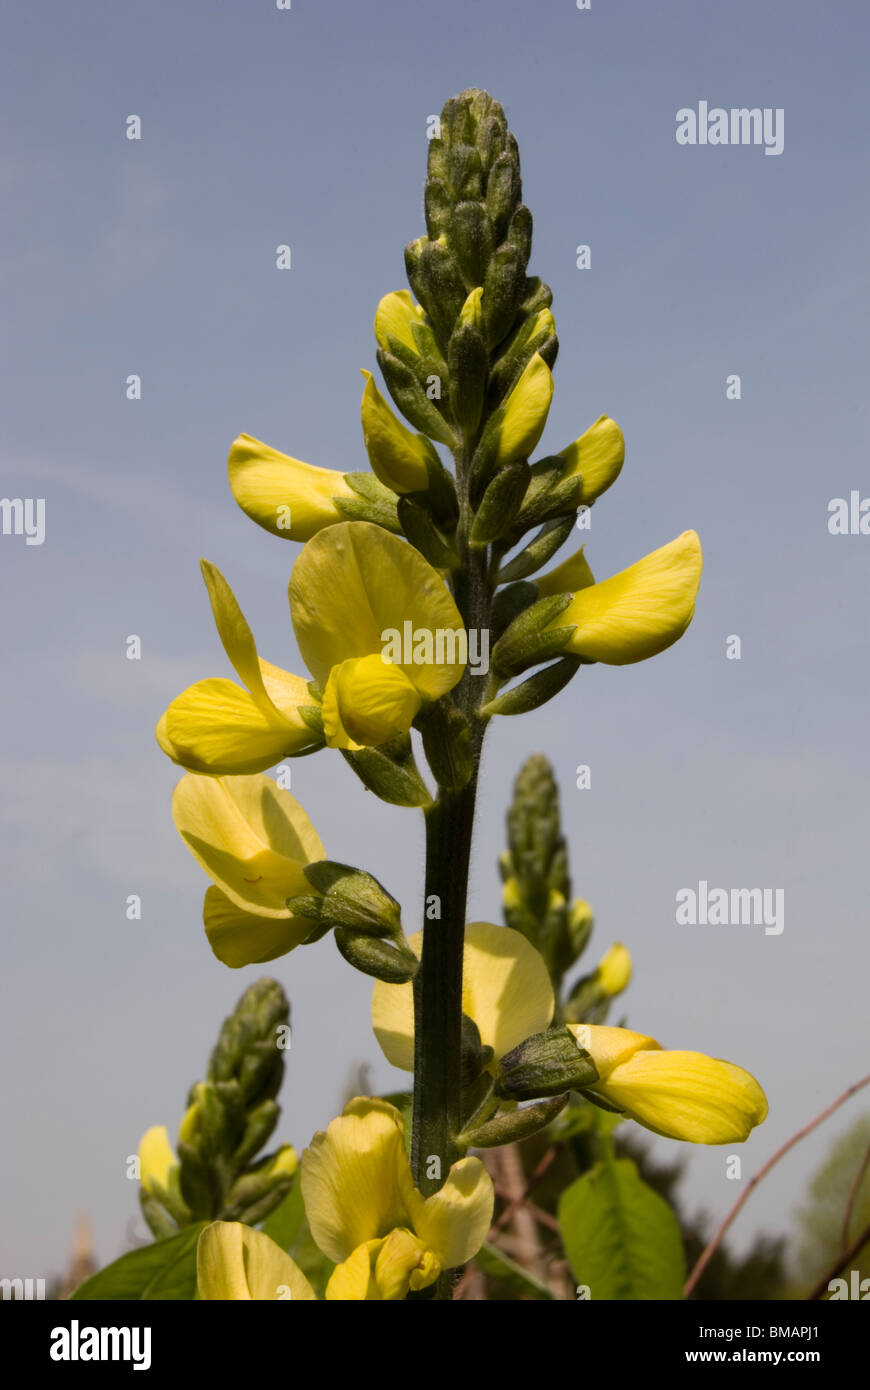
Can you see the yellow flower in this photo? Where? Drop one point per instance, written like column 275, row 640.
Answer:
column 394, row 317
column 596, row 457
column 681, row 1095
column 398, row 457
column 506, row 990
column 157, row 1162
column 525, row 412
column 356, row 593
column 366, row 1214
column 252, row 839
column 614, row 969
column 291, row 499
column 216, row 726
column 568, row 578
column 235, row 1262
column 640, row 611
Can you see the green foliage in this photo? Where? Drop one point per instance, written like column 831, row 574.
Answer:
column 165, row 1270
column 622, row 1239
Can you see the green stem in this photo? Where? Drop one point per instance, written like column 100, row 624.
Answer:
column 438, row 984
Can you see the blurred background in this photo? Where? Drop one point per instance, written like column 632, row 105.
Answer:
column 156, row 257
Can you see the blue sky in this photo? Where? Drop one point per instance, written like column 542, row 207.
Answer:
column 157, row 257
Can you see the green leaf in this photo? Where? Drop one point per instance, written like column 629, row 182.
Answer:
column 496, row 1265
column 164, row 1270
column 621, row 1238
column 285, row 1222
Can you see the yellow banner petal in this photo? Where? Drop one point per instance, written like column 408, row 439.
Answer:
column 216, row 727
column 242, row 938
column 597, row 456
column 250, row 836
column 235, row 1262
column 640, row 611
column 506, row 989
column 356, row 1178
column 572, row 575
column 156, row 1158
column 397, row 457
column 354, row 586
column 394, row 317
column 285, row 496
column 685, row 1095
column 525, row 412
column 456, row 1219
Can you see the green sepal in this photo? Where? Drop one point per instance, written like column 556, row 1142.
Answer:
column 535, row 691
column 502, row 292
column 259, row 1127
column 512, row 1126
column 441, row 288
column 536, row 296
column 552, row 535
column 475, row 1056
column 350, row 897
column 384, row 960
column 424, row 535
column 257, row 1192
column 381, row 513
column 500, row 503
column 446, row 743
column 520, row 233
column 160, row 1223
column 545, row 1065
column 438, row 208
column 470, row 236
column 509, row 603
column 312, row 715
column 468, row 362
column 410, row 397
column 526, row 642
column 391, row 773
column 503, row 191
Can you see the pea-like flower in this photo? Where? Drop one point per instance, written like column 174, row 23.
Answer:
column 234, row 1262
column 253, row 840
column 681, row 1095
column 357, row 596
column 506, row 990
column 290, row 498
column 596, row 458
column 637, row 613
column 366, row 1214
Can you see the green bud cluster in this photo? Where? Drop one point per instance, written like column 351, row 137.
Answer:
column 535, row 871
column 230, row 1117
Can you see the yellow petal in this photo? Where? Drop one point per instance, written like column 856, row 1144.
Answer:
column 525, row 412
column 156, row 1159
column 597, row 456
column 235, row 634
column 456, row 1219
column 506, row 989
column 235, row 1262
column 356, row 1178
column 614, row 969
column 353, row 586
column 572, row 575
column 353, row 1280
column 393, row 319
column 216, row 727
column 287, row 497
column 609, row 1047
column 640, row 611
column 242, row 938
column 367, row 702
column 397, row 457
column 250, row 836
column 685, row 1095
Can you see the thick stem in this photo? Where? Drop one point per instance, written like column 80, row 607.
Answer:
column 438, row 984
